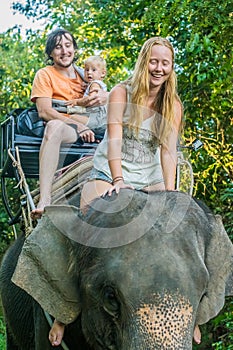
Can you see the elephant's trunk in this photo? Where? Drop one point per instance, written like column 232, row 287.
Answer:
column 168, row 325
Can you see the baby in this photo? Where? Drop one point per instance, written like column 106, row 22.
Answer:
column 94, row 117
column 94, row 73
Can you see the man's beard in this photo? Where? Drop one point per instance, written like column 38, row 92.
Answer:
column 64, row 65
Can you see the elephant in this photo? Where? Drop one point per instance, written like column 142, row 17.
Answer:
column 136, row 271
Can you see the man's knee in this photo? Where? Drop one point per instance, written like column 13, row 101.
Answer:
column 54, row 124
column 55, row 130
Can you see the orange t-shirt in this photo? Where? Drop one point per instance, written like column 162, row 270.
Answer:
column 48, row 82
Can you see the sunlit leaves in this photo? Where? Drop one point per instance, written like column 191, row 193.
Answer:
column 19, row 60
column 202, row 33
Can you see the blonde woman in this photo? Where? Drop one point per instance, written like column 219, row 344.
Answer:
column 144, row 119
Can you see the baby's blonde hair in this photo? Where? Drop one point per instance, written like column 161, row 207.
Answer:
column 97, row 59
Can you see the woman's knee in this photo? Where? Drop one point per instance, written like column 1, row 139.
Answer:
column 92, row 190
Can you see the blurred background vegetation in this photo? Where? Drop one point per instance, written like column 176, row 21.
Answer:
column 202, row 34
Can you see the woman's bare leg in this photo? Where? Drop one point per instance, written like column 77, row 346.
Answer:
column 197, row 335
column 91, row 190
column 157, row 187
column 56, row 132
column 56, row 333
column 96, row 188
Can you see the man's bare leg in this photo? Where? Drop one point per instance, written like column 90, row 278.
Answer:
column 56, row 132
column 81, row 119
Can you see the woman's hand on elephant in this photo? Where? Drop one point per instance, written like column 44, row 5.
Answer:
column 116, row 187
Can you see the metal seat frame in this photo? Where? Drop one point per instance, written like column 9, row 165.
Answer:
column 28, row 148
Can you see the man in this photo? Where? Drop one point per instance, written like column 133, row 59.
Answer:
column 59, row 81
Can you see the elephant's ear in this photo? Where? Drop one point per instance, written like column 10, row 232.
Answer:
column 43, row 271
column 219, row 262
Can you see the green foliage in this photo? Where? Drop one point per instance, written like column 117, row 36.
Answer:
column 223, row 324
column 2, row 334
column 19, row 60
column 202, row 34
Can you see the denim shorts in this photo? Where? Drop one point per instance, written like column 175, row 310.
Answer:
column 99, row 175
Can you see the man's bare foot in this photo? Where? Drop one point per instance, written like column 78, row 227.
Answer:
column 38, row 212
column 56, row 333
column 197, row 335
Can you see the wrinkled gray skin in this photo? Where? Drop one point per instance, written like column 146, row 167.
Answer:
column 147, row 294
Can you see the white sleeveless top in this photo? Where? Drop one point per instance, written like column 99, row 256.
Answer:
column 102, row 85
column 141, row 166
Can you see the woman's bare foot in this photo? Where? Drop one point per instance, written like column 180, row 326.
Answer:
column 197, row 335
column 56, row 333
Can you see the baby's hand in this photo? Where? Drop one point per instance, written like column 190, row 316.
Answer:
column 71, row 103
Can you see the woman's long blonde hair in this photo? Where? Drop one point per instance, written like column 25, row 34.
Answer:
column 165, row 101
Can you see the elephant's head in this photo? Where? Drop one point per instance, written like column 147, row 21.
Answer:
column 139, row 270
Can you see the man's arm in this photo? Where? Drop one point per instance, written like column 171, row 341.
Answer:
column 46, row 112
column 98, row 99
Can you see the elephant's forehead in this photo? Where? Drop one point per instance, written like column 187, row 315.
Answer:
column 167, row 317
column 163, row 263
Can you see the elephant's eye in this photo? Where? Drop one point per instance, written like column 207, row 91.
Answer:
column 110, row 301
